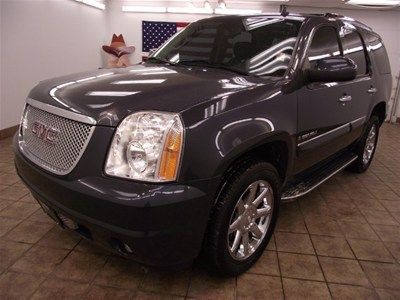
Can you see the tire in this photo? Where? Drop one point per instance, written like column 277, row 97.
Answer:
column 363, row 161
column 238, row 187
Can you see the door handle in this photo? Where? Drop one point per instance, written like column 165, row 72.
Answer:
column 372, row 90
column 345, row 98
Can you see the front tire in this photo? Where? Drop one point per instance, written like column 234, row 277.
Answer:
column 365, row 149
column 244, row 218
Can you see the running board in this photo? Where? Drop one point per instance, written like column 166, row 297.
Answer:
column 318, row 177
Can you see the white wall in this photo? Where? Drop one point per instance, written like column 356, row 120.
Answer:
column 45, row 38
column 42, row 39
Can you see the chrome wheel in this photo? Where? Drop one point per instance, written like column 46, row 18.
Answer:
column 250, row 220
column 369, row 145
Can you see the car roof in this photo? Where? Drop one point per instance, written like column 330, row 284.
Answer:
column 299, row 17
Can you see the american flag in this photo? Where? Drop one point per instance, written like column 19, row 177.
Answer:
column 154, row 34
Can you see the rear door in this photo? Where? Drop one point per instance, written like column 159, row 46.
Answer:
column 363, row 88
column 324, row 109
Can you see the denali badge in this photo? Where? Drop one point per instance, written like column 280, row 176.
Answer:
column 44, row 132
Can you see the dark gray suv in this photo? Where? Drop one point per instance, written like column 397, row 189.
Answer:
column 192, row 151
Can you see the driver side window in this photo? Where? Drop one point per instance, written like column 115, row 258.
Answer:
column 324, row 44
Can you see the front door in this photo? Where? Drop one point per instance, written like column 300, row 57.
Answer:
column 324, row 109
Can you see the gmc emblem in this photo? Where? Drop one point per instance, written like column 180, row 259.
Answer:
column 44, row 132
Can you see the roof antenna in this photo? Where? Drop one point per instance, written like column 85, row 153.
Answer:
column 283, row 10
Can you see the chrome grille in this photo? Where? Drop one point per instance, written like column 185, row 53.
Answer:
column 59, row 156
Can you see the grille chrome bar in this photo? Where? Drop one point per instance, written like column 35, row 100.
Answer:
column 59, row 156
column 61, row 112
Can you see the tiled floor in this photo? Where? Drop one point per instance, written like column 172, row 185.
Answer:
column 341, row 241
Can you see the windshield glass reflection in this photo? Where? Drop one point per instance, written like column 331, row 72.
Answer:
column 261, row 46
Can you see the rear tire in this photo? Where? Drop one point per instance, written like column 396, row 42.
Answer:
column 365, row 148
column 244, row 218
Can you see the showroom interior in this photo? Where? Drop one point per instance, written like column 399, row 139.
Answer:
column 341, row 241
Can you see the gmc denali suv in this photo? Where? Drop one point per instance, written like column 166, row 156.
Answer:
column 192, row 151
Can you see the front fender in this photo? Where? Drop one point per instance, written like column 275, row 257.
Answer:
column 253, row 142
column 213, row 141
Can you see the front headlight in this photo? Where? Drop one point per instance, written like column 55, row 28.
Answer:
column 147, row 146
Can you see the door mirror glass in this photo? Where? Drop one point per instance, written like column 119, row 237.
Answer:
column 332, row 69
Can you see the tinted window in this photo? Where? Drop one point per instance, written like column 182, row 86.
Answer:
column 259, row 45
column 353, row 48
column 379, row 53
column 324, row 44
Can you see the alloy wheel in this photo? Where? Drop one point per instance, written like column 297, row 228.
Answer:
column 250, row 220
column 369, row 145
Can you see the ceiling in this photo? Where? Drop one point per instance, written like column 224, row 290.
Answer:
column 244, row 3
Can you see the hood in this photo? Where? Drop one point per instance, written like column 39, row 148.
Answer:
column 108, row 95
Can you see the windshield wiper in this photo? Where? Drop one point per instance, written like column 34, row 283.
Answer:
column 208, row 64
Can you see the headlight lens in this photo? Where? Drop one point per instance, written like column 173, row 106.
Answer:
column 146, row 146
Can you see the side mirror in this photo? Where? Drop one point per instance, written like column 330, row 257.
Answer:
column 332, row 69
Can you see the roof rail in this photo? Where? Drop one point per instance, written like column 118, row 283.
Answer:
column 332, row 15
column 283, row 10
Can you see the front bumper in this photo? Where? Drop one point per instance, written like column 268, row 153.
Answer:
column 162, row 224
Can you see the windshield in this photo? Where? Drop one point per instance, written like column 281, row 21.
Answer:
column 261, row 46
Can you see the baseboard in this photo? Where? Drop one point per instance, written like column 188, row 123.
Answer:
column 8, row 132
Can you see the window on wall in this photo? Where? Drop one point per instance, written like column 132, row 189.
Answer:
column 324, row 44
column 353, row 48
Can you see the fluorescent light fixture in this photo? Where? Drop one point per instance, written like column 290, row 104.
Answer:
column 152, row 9
column 93, row 3
column 374, row 2
column 140, row 81
column 234, row 11
column 189, row 10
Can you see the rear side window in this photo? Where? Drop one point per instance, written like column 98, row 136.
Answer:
column 379, row 53
column 353, row 48
column 324, row 44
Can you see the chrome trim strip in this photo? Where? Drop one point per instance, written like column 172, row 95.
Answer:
column 321, row 182
column 323, row 134
column 61, row 112
column 331, row 131
column 357, row 120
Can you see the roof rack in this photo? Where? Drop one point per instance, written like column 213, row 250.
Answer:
column 332, row 15
column 283, row 10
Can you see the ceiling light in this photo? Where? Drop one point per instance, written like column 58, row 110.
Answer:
column 233, row 11
column 374, row 2
column 189, row 10
column 153, row 9
column 93, row 3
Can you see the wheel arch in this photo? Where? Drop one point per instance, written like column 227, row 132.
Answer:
column 379, row 110
column 276, row 149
